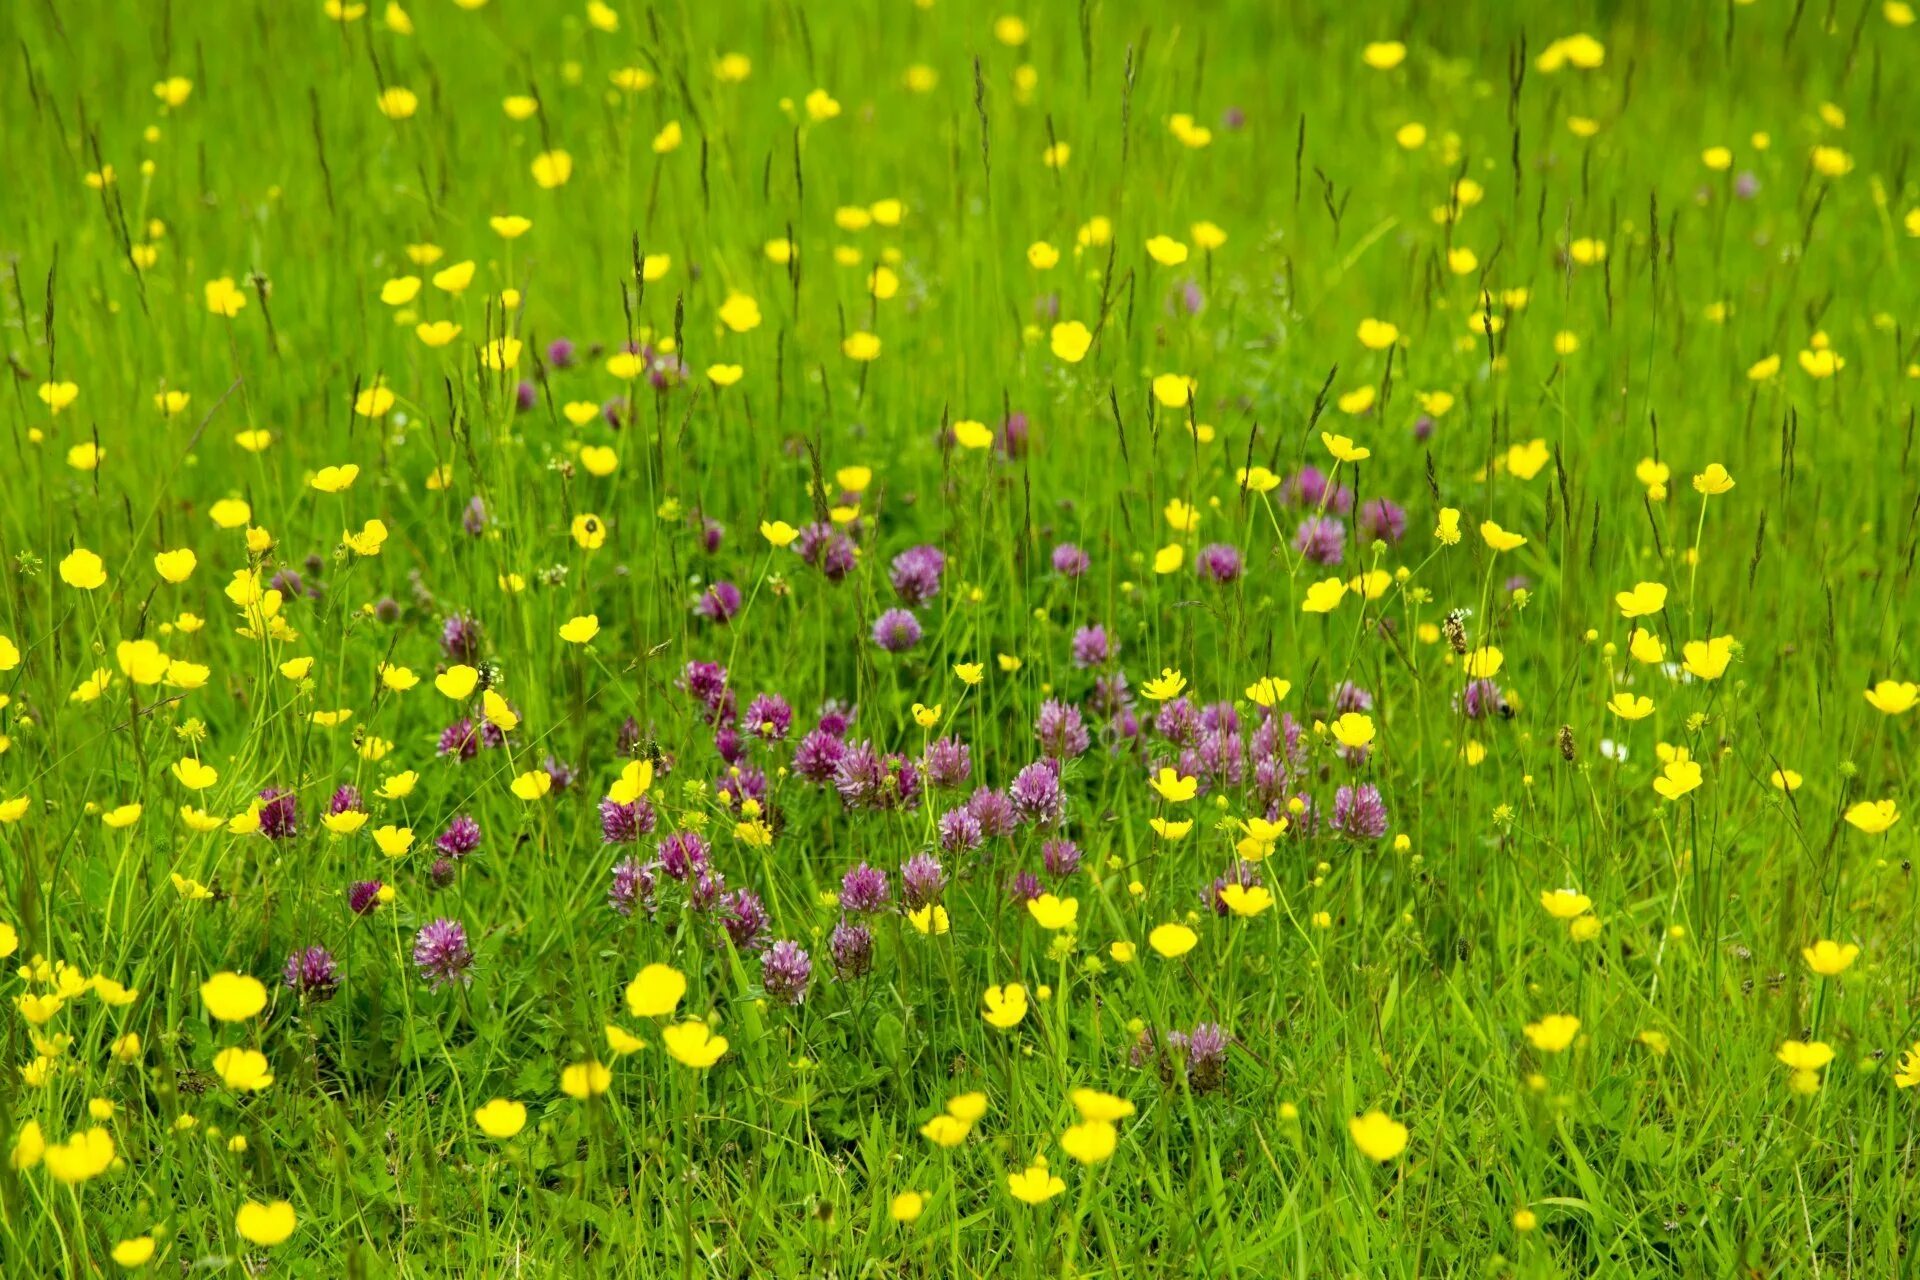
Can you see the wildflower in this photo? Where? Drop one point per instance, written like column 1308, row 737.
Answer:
column 1034, row 1185
column 1172, row 940
column 1873, row 816
column 1004, row 1006
column 265, row 1224
column 1553, row 1033
column 441, row 954
column 501, row 1118
column 1378, row 1137
column 693, row 1044
column 1828, row 958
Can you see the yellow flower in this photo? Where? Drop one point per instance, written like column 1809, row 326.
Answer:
column 393, row 841
column 265, row 1224
column 193, row 775
column 532, row 785
column 1070, row 341
column 1354, row 730
column 1828, row 958
column 552, row 169
column 1172, row 786
column 656, row 991
column 1447, row 531
column 1378, row 335
column 1713, row 481
column 1565, row 904
column 693, row 1044
column 1172, row 940
column 1708, row 659
column 1630, row 707
column 1343, row 448
column 1054, row 913
column 970, row 673
column 969, row 434
column 1004, row 1006
column 1167, row 684
column 1034, row 1185
column 1893, row 697
column 82, row 1157
column 1646, row 598
column 1245, row 901
column 1804, row 1055
column 1166, row 251
column 233, row 997
column 135, row 1252
column 224, row 298
column 1873, row 816
column 946, row 1130
column 860, row 345
column 740, row 313
column 1679, row 777
column 931, row 919
column 584, row 1080
column 1090, row 1141
column 397, row 102
column 501, row 1118
column 1324, row 596
column 1378, row 1136
column 778, row 532
column 1174, row 390
column 243, row 1069
column 589, row 531
column 83, row 570
column 1553, row 1033
column 907, row 1206
column 581, row 629
column 457, row 682
column 1500, row 539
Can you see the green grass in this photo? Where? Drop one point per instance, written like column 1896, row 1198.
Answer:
column 1396, row 973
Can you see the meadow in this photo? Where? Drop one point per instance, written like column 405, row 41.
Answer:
column 902, row 638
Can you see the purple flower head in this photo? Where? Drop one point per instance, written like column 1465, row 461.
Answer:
column 863, row 890
column 851, row 948
column 1480, row 699
column 1422, row 429
column 994, row 811
column 441, row 954
column 1061, row 858
column 460, row 639
column 1747, row 185
column 916, row 574
column 1012, row 441
column 1348, row 696
column 712, row 534
column 474, row 519
column 837, row 717
column 818, row 756
column 632, row 884
column 826, row 549
column 730, row 746
column 625, row 823
column 1025, row 887
column 363, row 896
column 683, row 854
column 1321, row 539
column 525, row 396
column 279, row 814
column 1069, row 561
column 745, row 918
column 346, row 800
column 1037, row 795
column 440, row 874
column 718, row 603
column 1062, row 733
column 1359, row 813
column 896, row 631
column 866, row 779
column 461, row 838
column 1110, row 695
column 948, row 762
column 560, row 353
column 1218, row 563
column 960, row 831
column 1178, row 722
column 614, row 411
column 922, row 879
column 769, row 718
column 559, row 771
column 460, row 739
column 1092, row 648
column 785, row 970
column 1383, row 521
column 1205, row 1053
column 707, row 683
column 311, row 974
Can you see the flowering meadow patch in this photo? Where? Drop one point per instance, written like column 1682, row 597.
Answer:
column 903, row 639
